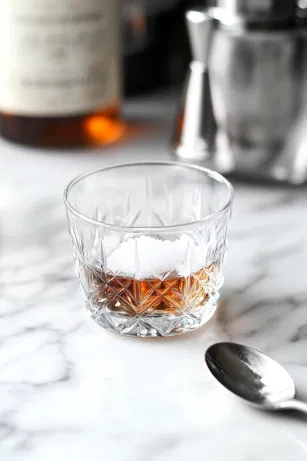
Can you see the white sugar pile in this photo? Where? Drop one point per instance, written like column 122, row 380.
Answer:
column 146, row 257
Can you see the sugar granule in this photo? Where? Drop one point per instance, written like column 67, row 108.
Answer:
column 146, row 257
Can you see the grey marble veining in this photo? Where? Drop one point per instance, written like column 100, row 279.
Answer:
column 70, row 390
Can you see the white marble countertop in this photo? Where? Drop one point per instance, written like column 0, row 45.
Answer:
column 72, row 391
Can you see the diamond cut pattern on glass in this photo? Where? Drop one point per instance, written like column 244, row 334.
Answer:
column 161, row 305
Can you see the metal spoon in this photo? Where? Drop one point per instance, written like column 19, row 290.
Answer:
column 253, row 376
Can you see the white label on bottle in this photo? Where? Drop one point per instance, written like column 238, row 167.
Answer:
column 58, row 57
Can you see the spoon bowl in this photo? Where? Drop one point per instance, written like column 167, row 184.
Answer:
column 253, row 376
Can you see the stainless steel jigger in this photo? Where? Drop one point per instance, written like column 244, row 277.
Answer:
column 193, row 138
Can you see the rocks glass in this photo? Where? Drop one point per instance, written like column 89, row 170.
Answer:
column 149, row 241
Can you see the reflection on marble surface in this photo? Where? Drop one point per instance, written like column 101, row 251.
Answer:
column 70, row 390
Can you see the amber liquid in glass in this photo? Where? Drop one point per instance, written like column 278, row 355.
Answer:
column 94, row 129
column 132, row 297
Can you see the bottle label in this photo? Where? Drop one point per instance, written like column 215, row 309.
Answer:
column 58, row 57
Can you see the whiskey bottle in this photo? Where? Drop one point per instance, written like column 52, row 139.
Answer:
column 60, row 72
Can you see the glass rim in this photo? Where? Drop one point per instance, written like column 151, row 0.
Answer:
column 206, row 219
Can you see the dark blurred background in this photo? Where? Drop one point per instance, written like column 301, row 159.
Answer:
column 155, row 44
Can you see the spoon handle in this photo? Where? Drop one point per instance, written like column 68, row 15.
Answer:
column 296, row 405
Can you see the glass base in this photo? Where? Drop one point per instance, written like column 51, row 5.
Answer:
column 156, row 324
